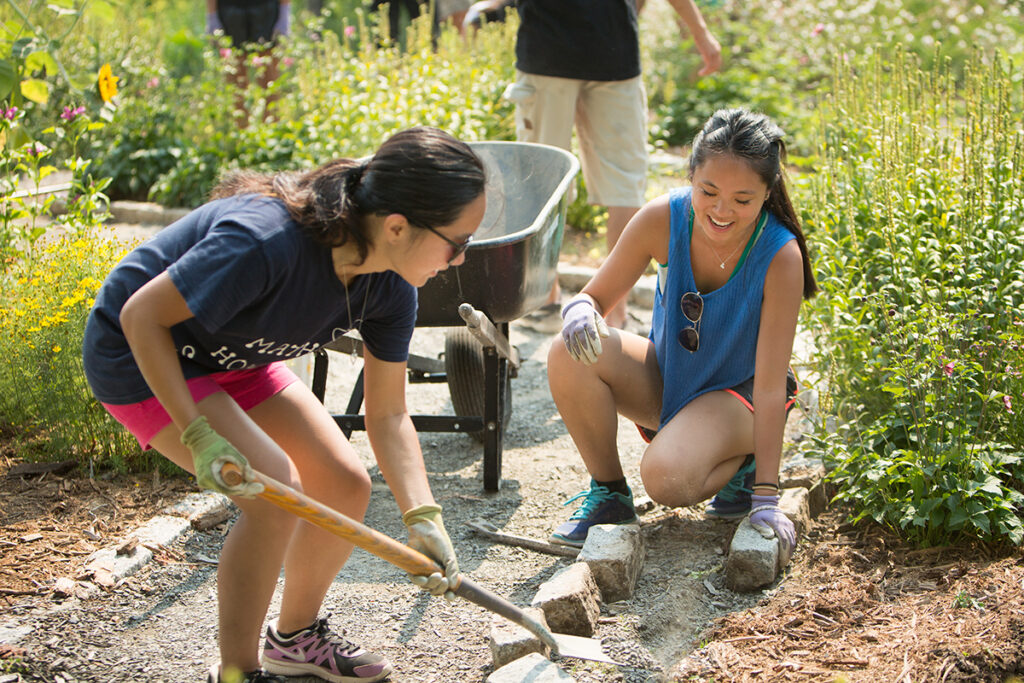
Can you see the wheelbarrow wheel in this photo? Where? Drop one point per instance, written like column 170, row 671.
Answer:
column 464, row 367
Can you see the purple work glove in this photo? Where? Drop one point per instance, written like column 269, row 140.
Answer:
column 284, row 21
column 213, row 23
column 582, row 329
column 768, row 518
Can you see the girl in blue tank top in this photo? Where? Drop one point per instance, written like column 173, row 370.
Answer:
column 733, row 270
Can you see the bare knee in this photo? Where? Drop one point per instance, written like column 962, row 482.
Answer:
column 668, row 483
column 346, row 487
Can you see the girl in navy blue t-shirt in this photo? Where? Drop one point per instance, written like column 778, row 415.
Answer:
column 185, row 347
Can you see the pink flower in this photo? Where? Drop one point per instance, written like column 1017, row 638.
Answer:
column 153, row 82
column 1008, row 404
column 948, row 369
column 350, row 31
column 225, row 52
column 257, row 60
column 287, row 61
column 818, row 28
column 9, row 114
column 37, row 149
column 72, row 113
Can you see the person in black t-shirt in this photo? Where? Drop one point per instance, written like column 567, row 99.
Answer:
column 578, row 66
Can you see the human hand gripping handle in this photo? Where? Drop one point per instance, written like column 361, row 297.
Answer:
column 211, row 451
column 427, row 535
column 769, row 520
column 582, row 330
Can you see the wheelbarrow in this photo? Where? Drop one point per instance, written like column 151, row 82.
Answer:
column 509, row 271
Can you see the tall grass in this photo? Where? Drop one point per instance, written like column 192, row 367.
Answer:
column 917, row 214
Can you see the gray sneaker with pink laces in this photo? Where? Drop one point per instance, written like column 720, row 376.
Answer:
column 318, row 651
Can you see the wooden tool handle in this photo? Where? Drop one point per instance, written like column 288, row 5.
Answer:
column 287, row 498
column 384, row 547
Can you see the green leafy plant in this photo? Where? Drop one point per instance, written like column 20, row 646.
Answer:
column 914, row 217
column 44, row 399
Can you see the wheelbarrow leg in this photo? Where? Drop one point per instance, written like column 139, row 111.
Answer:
column 355, row 400
column 495, row 368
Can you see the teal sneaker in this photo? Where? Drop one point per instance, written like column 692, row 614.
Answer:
column 600, row 506
column 733, row 501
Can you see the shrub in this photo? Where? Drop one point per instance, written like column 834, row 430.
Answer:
column 915, row 217
column 337, row 96
column 44, row 399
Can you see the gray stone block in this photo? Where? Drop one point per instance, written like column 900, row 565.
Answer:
column 795, row 503
column 615, row 553
column 161, row 530
column 753, row 559
column 532, row 668
column 510, row 641
column 203, row 509
column 570, row 600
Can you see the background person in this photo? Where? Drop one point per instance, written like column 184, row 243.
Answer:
column 185, row 347
column 253, row 27
column 733, row 269
column 578, row 66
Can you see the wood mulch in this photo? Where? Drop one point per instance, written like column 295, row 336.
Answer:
column 859, row 605
column 52, row 519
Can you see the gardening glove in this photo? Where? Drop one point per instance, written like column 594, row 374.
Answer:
column 210, row 451
column 427, row 535
column 770, row 521
column 213, row 23
column 284, row 20
column 582, row 329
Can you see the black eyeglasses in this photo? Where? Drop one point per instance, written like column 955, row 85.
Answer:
column 692, row 306
column 457, row 247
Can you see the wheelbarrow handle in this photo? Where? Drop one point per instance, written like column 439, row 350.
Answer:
column 384, row 547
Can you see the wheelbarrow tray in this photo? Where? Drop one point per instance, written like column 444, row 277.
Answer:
column 512, row 263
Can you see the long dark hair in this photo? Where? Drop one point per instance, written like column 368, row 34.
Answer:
column 758, row 141
column 423, row 173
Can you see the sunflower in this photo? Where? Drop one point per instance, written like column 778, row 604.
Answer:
column 107, row 83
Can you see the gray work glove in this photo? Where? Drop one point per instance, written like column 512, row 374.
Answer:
column 770, row 521
column 427, row 535
column 582, row 330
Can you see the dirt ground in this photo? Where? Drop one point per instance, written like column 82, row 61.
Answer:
column 854, row 605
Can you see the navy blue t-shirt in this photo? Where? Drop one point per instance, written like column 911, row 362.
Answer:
column 260, row 288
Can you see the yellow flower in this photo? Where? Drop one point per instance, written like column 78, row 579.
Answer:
column 107, row 83
column 56, row 348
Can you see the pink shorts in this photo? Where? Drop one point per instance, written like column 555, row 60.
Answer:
column 248, row 388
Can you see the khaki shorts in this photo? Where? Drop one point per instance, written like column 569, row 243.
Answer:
column 611, row 129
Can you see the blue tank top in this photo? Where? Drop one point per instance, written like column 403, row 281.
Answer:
column 730, row 320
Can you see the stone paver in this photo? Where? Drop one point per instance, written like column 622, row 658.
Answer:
column 532, row 668
column 615, row 554
column 570, row 600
